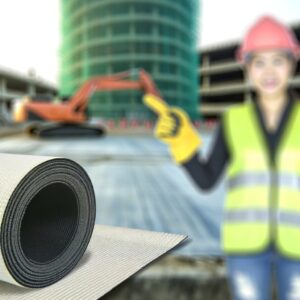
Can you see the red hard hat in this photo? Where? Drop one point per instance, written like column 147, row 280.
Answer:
column 267, row 34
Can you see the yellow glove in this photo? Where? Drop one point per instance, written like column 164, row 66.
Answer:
column 174, row 128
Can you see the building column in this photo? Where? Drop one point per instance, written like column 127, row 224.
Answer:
column 205, row 61
column 3, row 89
column 247, row 96
column 31, row 90
column 206, row 82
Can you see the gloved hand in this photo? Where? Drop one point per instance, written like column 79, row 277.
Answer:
column 174, row 128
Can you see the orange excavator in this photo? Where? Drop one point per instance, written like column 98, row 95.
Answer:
column 69, row 118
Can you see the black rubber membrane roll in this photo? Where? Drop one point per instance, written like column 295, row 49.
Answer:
column 47, row 214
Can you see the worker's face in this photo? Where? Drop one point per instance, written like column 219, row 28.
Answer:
column 269, row 72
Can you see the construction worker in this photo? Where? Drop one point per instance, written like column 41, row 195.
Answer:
column 259, row 142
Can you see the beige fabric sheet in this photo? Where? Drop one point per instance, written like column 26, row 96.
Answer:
column 113, row 255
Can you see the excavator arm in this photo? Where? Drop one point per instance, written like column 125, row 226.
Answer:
column 69, row 118
column 73, row 110
column 114, row 82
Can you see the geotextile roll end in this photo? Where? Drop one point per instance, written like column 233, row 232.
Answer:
column 47, row 215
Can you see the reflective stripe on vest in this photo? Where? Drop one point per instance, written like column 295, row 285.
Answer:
column 248, row 179
column 289, row 218
column 255, row 215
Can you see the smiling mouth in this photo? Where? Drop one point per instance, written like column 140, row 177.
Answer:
column 270, row 83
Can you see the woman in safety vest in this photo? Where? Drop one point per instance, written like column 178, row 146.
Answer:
column 259, row 142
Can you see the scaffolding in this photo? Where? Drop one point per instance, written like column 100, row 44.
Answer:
column 101, row 37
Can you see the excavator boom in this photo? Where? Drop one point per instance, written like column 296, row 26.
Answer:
column 73, row 112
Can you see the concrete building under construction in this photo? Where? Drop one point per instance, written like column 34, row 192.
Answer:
column 14, row 85
column 108, row 36
column 222, row 81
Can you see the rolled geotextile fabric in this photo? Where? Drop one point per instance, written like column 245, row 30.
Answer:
column 47, row 214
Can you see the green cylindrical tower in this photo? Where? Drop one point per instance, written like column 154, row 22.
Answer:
column 102, row 37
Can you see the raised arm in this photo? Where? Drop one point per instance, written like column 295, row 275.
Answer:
column 175, row 129
column 206, row 172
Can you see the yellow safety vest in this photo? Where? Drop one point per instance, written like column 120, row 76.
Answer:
column 263, row 200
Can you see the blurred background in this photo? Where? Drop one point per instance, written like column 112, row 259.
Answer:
column 72, row 77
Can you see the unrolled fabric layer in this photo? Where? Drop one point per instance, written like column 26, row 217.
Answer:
column 47, row 215
column 113, row 255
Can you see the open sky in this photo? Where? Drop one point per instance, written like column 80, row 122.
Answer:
column 30, row 30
